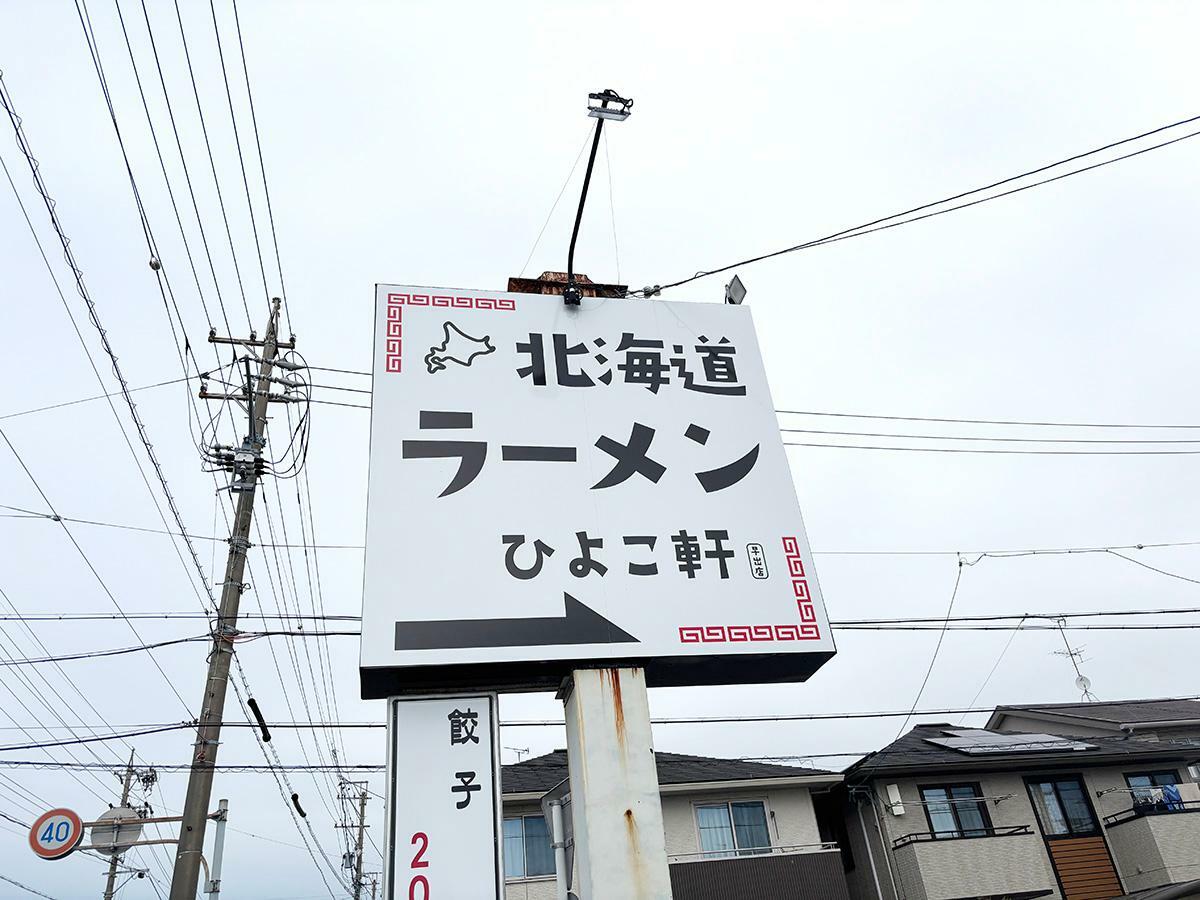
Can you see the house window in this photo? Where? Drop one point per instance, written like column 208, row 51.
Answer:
column 1144, row 783
column 956, row 810
column 527, row 850
column 1062, row 807
column 733, row 829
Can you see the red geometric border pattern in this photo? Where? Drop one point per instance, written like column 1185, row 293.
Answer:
column 394, row 338
column 804, row 604
column 737, row 634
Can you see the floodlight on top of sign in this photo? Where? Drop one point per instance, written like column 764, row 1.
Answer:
column 550, row 489
column 618, row 114
column 735, row 292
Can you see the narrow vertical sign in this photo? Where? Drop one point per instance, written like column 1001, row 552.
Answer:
column 444, row 799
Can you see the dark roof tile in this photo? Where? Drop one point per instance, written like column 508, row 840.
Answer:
column 1116, row 712
column 543, row 772
column 913, row 753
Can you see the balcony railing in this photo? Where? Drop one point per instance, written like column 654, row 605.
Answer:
column 751, row 852
column 920, row 836
column 1151, row 809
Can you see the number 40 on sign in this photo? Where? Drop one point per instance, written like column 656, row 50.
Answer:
column 56, row 833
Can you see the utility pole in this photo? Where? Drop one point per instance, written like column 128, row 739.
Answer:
column 246, row 463
column 362, row 826
column 358, row 851
column 110, row 888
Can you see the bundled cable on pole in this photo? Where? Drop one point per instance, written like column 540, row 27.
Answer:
column 258, row 717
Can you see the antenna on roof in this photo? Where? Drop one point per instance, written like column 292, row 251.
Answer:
column 1076, row 656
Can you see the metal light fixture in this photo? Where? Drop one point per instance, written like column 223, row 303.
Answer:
column 619, row 112
column 735, row 292
column 604, row 112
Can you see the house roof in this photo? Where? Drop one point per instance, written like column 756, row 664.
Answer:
column 543, row 772
column 912, row 753
column 1114, row 714
column 1167, row 892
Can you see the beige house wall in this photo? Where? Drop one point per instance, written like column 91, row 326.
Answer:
column 1024, row 854
column 1135, row 853
column 791, row 821
column 790, row 816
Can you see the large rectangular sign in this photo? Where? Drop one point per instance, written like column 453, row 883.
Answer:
column 553, row 486
column 443, row 813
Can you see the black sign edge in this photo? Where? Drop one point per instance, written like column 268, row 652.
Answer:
column 530, row 675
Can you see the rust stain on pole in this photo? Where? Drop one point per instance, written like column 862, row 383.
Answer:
column 614, row 676
column 635, row 852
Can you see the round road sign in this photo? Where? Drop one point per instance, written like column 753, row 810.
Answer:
column 116, row 839
column 56, row 833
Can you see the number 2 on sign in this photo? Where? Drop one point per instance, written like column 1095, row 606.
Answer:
column 418, row 885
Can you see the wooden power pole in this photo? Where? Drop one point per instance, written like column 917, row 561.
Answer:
column 246, row 463
column 362, row 824
column 110, row 888
column 358, row 883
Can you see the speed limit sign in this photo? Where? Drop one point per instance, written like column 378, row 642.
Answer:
column 56, row 833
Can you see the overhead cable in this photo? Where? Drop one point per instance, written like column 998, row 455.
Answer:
column 93, row 315
column 906, row 620
column 95, row 573
column 654, row 720
column 992, row 451
column 842, row 415
column 877, row 224
column 262, row 165
column 995, row 553
column 993, row 439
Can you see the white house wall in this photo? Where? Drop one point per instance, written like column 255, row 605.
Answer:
column 790, row 817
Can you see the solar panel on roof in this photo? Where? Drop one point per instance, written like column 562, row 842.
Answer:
column 977, row 742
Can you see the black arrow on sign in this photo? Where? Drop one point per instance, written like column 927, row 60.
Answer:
column 579, row 625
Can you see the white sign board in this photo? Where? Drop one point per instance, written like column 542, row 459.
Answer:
column 443, row 837
column 552, row 486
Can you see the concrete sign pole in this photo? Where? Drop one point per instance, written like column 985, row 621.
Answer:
column 620, row 846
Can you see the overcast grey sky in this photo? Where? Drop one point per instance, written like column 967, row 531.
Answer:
column 425, row 143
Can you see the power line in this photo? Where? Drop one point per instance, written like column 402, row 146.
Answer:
column 866, row 625
column 93, row 315
column 237, row 140
column 952, row 624
column 876, row 224
column 145, row 387
column 212, row 164
column 92, row 569
column 98, row 654
column 261, row 164
column 782, row 412
column 937, row 647
column 655, row 720
column 25, row 887
column 954, row 437
column 341, row 371
column 978, row 450
column 218, row 188
column 998, row 553
column 841, row 415
column 120, row 736
column 282, row 616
